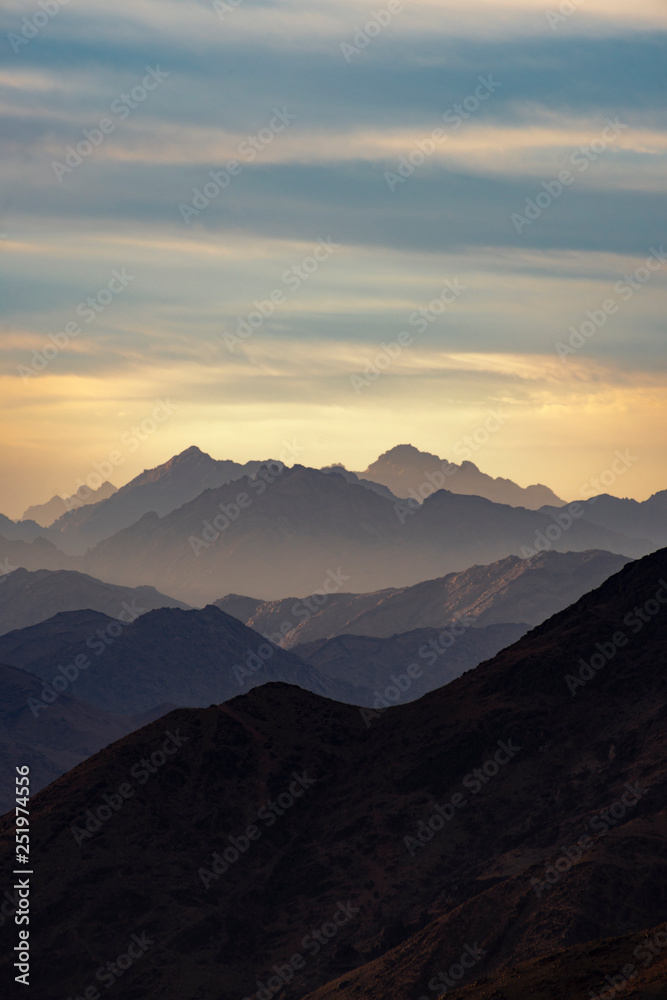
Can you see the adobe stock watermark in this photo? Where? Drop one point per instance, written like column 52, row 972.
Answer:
column 6, row 568
column 31, row 26
column 565, row 9
column 268, row 813
column 581, row 158
column 635, row 620
column 88, row 311
column 646, row 953
column 212, row 528
column 441, row 982
column 312, row 942
column 454, row 117
column 626, row 288
column 122, row 106
column 292, row 278
column 225, row 7
column 131, row 439
column 364, row 34
column 98, row 642
column 429, row 651
column 474, row 781
column 247, row 151
column 255, row 659
column 601, row 823
column 141, row 772
column 305, row 608
column 420, row 320
column 563, row 520
column 108, row 974
column 465, row 448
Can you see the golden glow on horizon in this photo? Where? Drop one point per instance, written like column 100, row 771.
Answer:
column 92, row 416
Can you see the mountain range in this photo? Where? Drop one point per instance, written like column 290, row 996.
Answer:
column 52, row 741
column 190, row 658
column 161, row 490
column 27, row 598
column 403, row 667
column 283, row 843
column 46, row 513
column 203, row 528
column 415, row 474
column 510, row 590
column 320, row 530
column 633, row 518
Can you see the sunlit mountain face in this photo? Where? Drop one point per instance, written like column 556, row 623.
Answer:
column 333, row 506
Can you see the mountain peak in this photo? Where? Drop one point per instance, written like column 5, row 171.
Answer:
column 190, row 454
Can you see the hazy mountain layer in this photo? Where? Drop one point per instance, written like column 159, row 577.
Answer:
column 27, row 598
column 51, row 740
column 46, row 513
column 299, row 531
column 404, row 667
column 162, row 490
column 645, row 519
column 188, row 658
column 408, row 472
column 286, row 839
column 510, row 590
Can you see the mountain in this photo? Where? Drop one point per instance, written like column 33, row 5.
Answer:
column 510, row 590
column 46, row 513
column 314, row 531
column 30, row 597
column 171, row 656
column 352, row 477
column 415, row 474
column 286, row 844
column 636, row 519
column 404, row 667
column 161, row 490
column 38, row 554
column 55, row 739
column 19, row 531
column 53, row 639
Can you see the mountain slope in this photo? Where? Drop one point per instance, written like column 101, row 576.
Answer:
column 188, row 658
column 20, row 531
column 161, row 489
column 46, row 513
column 27, row 598
column 404, row 667
column 645, row 519
column 319, row 531
column 53, row 740
column 408, row 472
column 510, row 590
column 397, row 846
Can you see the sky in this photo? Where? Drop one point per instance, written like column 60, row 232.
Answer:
column 333, row 226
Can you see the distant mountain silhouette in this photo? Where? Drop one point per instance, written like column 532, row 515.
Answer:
column 161, row 489
column 408, row 472
column 53, row 741
column 46, row 513
column 404, row 667
column 20, row 531
column 291, row 533
column 511, row 815
column 636, row 519
column 510, row 590
column 30, row 597
column 38, row 554
column 187, row 658
column 352, row 477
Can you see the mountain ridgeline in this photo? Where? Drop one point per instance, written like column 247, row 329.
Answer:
column 284, row 843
